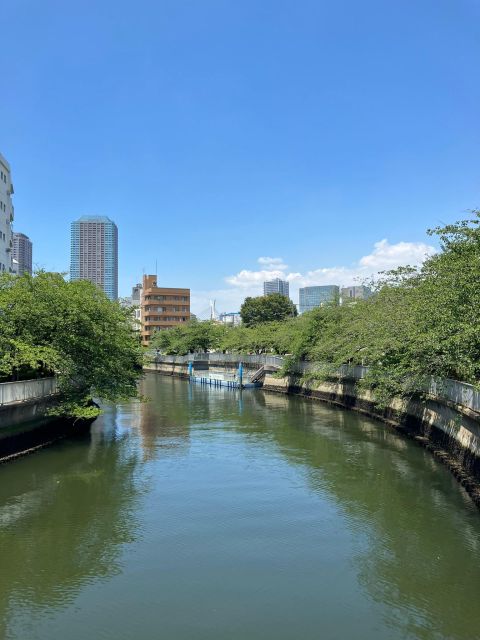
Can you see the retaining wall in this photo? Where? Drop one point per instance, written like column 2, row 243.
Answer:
column 447, row 422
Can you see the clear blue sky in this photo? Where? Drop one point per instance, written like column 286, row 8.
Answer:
column 215, row 132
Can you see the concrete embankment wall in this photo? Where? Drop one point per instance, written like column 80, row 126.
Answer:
column 25, row 425
column 26, row 401
column 451, row 431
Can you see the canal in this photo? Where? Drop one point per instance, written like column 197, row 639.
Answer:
column 204, row 514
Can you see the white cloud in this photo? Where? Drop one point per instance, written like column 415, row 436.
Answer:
column 272, row 263
column 246, row 278
column 246, row 282
column 387, row 256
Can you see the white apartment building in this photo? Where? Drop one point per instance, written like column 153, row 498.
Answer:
column 6, row 217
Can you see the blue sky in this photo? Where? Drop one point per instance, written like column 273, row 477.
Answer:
column 216, row 133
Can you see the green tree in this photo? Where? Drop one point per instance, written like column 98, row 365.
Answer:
column 271, row 308
column 70, row 329
column 420, row 322
column 193, row 336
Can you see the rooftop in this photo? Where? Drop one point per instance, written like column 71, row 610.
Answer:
column 94, row 219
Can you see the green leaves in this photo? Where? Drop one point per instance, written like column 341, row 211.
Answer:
column 271, row 308
column 421, row 322
column 191, row 337
column 70, row 329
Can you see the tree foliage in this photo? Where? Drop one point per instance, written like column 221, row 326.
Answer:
column 272, row 308
column 69, row 329
column 420, row 322
column 189, row 338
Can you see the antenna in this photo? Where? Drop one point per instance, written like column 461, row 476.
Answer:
column 213, row 311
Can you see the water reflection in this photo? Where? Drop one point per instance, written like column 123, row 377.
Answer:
column 415, row 519
column 64, row 515
column 411, row 517
column 284, row 516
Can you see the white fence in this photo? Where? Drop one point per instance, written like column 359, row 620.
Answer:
column 457, row 392
column 14, row 392
column 222, row 358
column 460, row 393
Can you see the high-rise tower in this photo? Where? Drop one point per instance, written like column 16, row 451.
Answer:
column 22, row 253
column 6, row 217
column 94, row 253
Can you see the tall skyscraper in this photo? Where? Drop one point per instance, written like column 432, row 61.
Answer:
column 311, row 297
column 276, row 286
column 94, row 253
column 6, row 217
column 22, row 253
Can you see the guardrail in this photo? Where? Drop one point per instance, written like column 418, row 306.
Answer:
column 25, row 390
column 460, row 393
column 457, row 392
column 221, row 358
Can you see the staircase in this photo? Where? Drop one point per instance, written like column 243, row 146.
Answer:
column 258, row 375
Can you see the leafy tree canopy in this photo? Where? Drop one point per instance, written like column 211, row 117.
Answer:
column 420, row 322
column 72, row 330
column 272, row 308
column 189, row 338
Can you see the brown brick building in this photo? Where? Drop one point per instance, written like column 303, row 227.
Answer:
column 162, row 308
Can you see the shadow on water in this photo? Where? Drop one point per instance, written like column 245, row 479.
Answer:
column 422, row 531
column 419, row 533
column 65, row 514
column 182, row 470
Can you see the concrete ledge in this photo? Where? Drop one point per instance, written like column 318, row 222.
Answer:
column 23, row 413
column 25, row 427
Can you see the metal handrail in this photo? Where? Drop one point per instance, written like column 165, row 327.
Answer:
column 25, row 390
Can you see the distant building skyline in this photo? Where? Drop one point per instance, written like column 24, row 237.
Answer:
column 316, row 296
column 22, row 253
column 230, row 318
column 94, row 253
column 357, row 292
column 276, row 286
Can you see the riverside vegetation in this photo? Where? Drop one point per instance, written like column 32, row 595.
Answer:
column 421, row 322
column 49, row 326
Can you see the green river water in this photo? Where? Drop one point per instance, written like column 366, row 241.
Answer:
column 206, row 514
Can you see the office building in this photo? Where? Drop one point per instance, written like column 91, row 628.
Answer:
column 6, row 217
column 311, row 297
column 349, row 294
column 94, row 253
column 22, row 253
column 276, row 286
column 137, row 294
column 162, row 308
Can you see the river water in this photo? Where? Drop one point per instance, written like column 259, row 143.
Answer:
column 206, row 514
